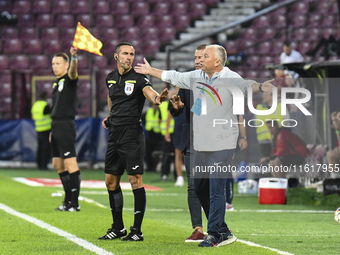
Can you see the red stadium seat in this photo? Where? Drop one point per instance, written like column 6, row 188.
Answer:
column 278, row 21
column 196, row 10
column 264, row 48
column 13, row 46
column 130, row 33
column 304, row 47
column 51, row 46
column 65, row 20
column 167, row 34
column 328, row 21
column 151, row 47
column 267, row 33
column 266, row 60
column 29, row 33
column 326, row 32
column 300, row 8
column 5, row 6
column 249, row 34
column 109, row 33
column 298, row 34
column 68, row 33
column 80, row 7
column 252, row 75
column 109, row 46
column 140, row 8
column 277, row 48
column 19, row 62
column 45, row 20
column 164, row 21
column 32, row 46
column 181, row 21
column 179, row 8
column 25, row 20
column 9, row 33
column 161, row 8
column 100, row 61
column 101, row 7
column 313, row 34
column 61, row 7
column 124, row 21
column 84, row 89
column 40, row 62
column 137, row 44
column 314, row 20
column 120, row 7
column 3, row 63
column 5, row 88
column 145, row 21
column 254, row 61
column 85, row 20
column 265, row 74
column 299, row 20
column 246, row 46
column 105, row 20
column 231, row 47
column 149, row 33
column 21, row 6
column 82, row 61
column 261, row 22
column 50, row 33
column 41, row 6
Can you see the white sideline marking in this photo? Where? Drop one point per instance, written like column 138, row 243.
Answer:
column 265, row 247
column 81, row 242
column 282, row 211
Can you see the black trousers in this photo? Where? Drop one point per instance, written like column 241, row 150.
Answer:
column 44, row 150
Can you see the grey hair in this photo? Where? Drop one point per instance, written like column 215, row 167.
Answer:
column 220, row 53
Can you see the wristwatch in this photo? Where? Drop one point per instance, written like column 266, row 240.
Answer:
column 244, row 137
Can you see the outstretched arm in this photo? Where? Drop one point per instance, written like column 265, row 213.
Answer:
column 72, row 72
column 152, row 95
column 148, row 70
column 266, row 87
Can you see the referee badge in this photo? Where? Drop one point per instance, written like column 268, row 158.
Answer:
column 128, row 88
column 61, row 85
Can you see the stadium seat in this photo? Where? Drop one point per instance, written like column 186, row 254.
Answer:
column 151, row 47
column 50, row 33
column 29, row 33
column 145, row 21
column 328, row 21
column 123, row 21
column 68, row 34
column 19, row 62
column 167, row 34
column 231, row 47
column 252, row 75
column 82, row 61
column 21, row 6
column 304, row 47
column 137, row 44
column 3, row 63
column 5, row 88
column 109, row 33
column 130, row 33
column 84, row 107
column 323, row 8
column 85, row 20
column 254, row 61
column 32, row 46
column 9, row 33
column 109, row 46
column 181, row 21
column 120, row 7
column 298, row 34
column 5, row 5
column 149, row 33
column 12, row 46
column 45, row 20
column 138, row 59
column 161, row 8
column 278, row 21
column 265, row 74
column 277, row 48
column 164, row 21
column 40, row 62
column 249, row 34
column 267, row 33
column 196, row 10
column 100, row 61
column 261, row 22
column 246, row 46
column 80, row 7
column 179, row 8
column 101, row 7
column 84, row 89
column 312, row 34
column 105, row 21
column 6, row 105
column 41, row 6
column 326, row 32
column 300, row 7
column 66, row 44
column 65, row 20
column 266, row 60
column 51, row 46
column 299, row 21
column 264, row 48
column 140, row 8
column 61, row 7
column 25, row 20
column 314, row 20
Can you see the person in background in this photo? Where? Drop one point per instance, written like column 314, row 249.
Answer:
column 333, row 156
column 41, row 114
column 289, row 55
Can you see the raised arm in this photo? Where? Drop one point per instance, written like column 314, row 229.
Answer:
column 72, row 72
column 152, row 95
column 148, row 70
column 265, row 87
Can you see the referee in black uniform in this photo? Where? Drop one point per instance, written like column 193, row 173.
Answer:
column 63, row 133
column 126, row 145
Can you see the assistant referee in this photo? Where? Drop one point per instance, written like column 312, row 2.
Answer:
column 63, row 133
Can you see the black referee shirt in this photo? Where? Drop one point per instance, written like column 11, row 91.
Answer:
column 126, row 94
column 64, row 98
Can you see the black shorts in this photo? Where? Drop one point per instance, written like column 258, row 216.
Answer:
column 63, row 139
column 294, row 160
column 125, row 150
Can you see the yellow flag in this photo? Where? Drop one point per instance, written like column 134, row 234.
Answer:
column 84, row 40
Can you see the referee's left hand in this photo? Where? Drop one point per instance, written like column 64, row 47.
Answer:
column 162, row 97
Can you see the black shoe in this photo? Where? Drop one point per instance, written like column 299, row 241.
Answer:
column 113, row 234
column 62, row 207
column 134, row 235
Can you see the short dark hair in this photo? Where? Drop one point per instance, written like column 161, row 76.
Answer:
column 122, row 44
column 43, row 95
column 63, row 55
column 201, row 47
column 287, row 43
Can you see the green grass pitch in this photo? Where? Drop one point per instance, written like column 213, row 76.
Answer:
column 167, row 222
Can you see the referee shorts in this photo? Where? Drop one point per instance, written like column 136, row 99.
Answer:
column 63, row 139
column 125, row 150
